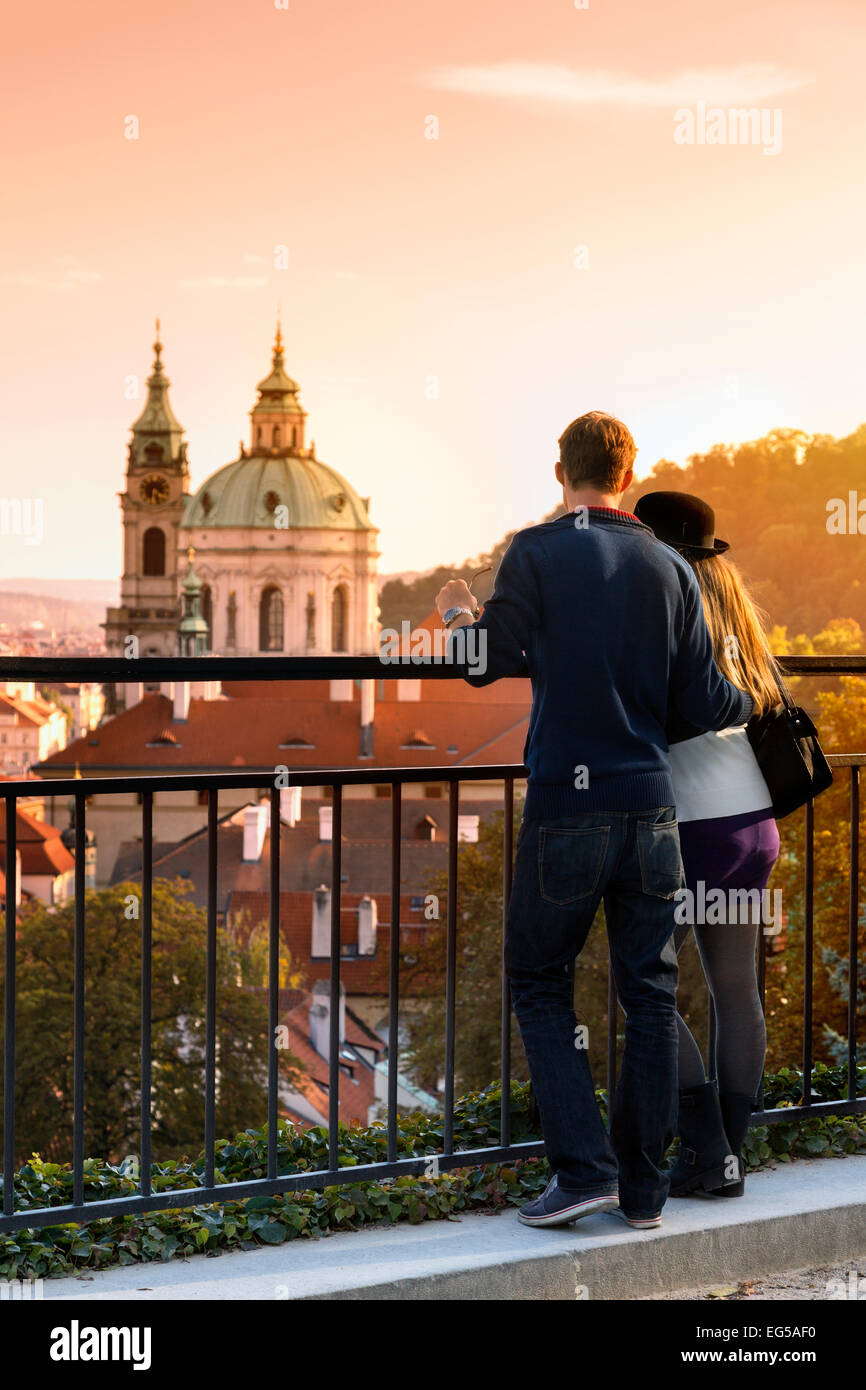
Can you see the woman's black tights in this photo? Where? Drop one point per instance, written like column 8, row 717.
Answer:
column 727, row 954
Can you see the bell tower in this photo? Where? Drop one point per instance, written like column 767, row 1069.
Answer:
column 277, row 420
column 157, row 486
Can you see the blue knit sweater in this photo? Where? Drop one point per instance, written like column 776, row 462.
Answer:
column 612, row 627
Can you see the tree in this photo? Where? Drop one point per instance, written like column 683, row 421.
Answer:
column 44, row 1033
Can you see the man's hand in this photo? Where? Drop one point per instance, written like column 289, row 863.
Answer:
column 455, row 594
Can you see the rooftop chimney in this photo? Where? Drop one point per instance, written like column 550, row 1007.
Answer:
column 290, row 804
column 321, row 940
column 320, row 1017
column 132, row 693
column 368, row 703
column 255, row 825
column 368, row 918
column 180, row 711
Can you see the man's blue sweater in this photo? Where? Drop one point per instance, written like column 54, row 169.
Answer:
column 612, row 626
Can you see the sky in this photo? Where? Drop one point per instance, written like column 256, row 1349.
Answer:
column 494, row 221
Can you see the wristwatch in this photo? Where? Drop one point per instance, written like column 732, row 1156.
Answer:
column 451, row 613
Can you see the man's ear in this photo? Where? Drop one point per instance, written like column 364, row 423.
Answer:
column 628, row 479
column 560, row 477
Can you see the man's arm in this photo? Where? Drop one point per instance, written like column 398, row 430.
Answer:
column 700, row 695
column 494, row 646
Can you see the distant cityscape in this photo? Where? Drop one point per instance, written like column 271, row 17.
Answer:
column 274, row 554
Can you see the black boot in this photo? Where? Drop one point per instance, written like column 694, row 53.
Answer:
column 736, row 1112
column 701, row 1164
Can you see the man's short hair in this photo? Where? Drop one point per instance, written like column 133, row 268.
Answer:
column 596, row 450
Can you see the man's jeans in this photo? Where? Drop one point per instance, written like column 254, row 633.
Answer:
column 562, row 870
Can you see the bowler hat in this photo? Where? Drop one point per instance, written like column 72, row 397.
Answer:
column 682, row 521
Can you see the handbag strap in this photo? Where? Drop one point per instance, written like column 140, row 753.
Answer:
column 787, row 698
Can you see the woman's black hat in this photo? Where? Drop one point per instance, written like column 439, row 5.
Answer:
column 680, row 520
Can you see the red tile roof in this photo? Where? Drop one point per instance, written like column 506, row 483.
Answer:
column 253, row 733
column 42, row 850
column 356, row 1091
column 256, row 723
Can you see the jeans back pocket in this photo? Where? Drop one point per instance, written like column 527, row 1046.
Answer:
column 570, row 863
column 661, row 865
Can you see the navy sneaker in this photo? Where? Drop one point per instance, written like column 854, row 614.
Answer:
column 556, row 1207
column 640, row 1223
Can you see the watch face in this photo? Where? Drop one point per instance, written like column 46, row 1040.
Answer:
column 154, row 489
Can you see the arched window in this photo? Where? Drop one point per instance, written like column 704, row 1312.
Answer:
column 207, row 612
column 339, row 616
column 276, row 436
column 294, row 436
column 154, row 551
column 271, row 620
column 259, row 435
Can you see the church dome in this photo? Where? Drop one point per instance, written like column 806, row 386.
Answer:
column 278, row 470
column 248, row 492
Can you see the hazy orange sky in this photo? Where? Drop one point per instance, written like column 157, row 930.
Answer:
column 723, row 294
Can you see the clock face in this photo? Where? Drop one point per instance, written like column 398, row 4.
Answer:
column 154, row 489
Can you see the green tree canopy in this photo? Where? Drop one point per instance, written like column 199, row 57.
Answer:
column 44, row 1031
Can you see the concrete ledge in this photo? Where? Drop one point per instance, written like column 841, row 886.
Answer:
column 806, row 1213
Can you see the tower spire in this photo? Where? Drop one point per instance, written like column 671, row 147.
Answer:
column 157, row 424
column 278, row 360
column 277, row 416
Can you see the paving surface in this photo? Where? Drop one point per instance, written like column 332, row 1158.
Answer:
column 836, row 1283
column 811, row 1213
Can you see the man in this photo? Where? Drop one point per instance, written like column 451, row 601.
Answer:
column 610, row 626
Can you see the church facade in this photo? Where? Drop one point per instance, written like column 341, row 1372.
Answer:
column 285, row 551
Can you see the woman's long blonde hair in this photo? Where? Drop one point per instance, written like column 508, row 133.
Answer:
column 739, row 639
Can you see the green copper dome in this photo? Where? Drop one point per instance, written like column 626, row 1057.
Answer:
column 248, row 492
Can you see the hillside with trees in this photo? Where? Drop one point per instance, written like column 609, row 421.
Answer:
column 773, row 501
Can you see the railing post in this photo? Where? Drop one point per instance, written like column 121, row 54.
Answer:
column 853, row 924
column 334, row 1033
column 9, row 1009
column 394, row 968
column 146, row 986
column 78, row 988
column 450, row 968
column 273, row 981
column 505, row 1035
column 210, row 994
column 808, row 949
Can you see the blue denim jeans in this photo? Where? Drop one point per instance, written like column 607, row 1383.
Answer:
column 563, row 869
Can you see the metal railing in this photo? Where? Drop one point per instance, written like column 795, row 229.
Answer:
column 108, row 669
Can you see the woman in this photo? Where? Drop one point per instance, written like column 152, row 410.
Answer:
column 729, row 841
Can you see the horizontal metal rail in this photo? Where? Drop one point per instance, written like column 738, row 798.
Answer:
column 131, row 670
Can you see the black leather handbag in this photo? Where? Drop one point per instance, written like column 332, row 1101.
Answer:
column 785, row 743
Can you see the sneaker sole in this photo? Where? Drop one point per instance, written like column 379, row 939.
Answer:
column 568, row 1214
column 640, row 1223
